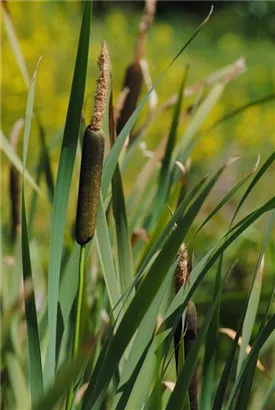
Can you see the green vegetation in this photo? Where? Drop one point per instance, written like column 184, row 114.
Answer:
column 170, row 300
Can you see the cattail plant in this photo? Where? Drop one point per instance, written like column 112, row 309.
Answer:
column 190, row 335
column 181, row 277
column 92, row 159
column 134, row 75
column 89, row 184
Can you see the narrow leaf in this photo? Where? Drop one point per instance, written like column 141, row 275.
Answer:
column 64, row 176
column 34, row 353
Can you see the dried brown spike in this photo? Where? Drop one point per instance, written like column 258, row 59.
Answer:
column 101, row 89
column 145, row 22
column 133, row 81
column 5, row 6
column 181, row 273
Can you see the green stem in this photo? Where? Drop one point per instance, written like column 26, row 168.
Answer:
column 77, row 324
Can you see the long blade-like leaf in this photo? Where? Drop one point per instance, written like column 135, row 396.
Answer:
column 34, row 353
column 255, row 180
column 63, row 184
column 166, row 166
column 259, row 342
column 210, row 349
column 105, row 256
column 179, row 393
column 16, row 161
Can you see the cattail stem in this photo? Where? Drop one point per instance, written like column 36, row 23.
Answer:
column 144, row 25
column 78, row 318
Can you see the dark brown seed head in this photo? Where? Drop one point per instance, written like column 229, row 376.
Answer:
column 92, row 158
column 89, row 185
column 132, row 81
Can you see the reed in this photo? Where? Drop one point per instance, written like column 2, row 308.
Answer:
column 89, row 187
column 92, row 159
column 133, row 79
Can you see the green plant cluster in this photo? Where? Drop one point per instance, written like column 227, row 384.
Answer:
column 130, row 322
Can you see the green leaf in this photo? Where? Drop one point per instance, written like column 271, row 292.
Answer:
column 268, row 395
column 126, row 388
column 220, row 394
column 251, row 311
column 167, row 165
column 63, row 184
column 259, row 342
column 143, row 298
column 16, row 161
column 69, row 283
column 249, row 320
column 255, row 180
column 201, row 114
column 34, row 353
column 181, row 299
column 141, row 344
column 46, row 163
column 156, row 243
column 16, row 47
column 180, row 391
column 246, row 385
column 33, row 205
column 241, row 109
column 147, row 375
column 18, row 382
column 227, row 197
column 105, row 255
column 124, row 250
column 208, row 372
column 67, row 373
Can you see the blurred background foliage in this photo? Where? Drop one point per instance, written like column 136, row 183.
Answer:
column 50, row 29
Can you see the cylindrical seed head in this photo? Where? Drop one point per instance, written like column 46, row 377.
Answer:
column 89, row 185
column 92, row 158
column 132, row 81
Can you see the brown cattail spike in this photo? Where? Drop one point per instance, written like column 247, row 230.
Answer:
column 181, row 273
column 132, row 81
column 89, row 185
column 134, row 75
column 190, row 335
column 92, row 158
column 101, row 90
